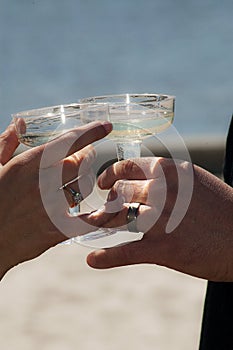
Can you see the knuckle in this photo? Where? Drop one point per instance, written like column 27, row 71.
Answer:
column 129, row 166
column 167, row 166
column 18, row 165
column 6, row 136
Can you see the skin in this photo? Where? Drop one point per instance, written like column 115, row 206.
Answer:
column 199, row 244
column 26, row 229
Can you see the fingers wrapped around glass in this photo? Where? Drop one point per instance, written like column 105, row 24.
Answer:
column 134, row 117
column 67, row 160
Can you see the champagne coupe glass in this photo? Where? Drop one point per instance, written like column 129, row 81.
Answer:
column 134, row 118
column 39, row 126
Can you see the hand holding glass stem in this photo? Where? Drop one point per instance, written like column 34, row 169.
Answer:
column 134, row 118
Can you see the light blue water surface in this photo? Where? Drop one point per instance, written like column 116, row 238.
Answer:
column 55, row 51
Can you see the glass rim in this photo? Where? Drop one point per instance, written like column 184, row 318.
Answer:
column 166, row 96
column 29, row 113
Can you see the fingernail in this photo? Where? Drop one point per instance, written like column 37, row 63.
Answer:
column 107, row 126
column 96, row 213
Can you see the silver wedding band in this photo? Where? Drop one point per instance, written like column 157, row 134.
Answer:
column 131, row 217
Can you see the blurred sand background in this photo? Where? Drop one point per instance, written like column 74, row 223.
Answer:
column 56, row 302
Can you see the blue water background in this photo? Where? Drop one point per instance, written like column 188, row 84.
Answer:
column 54, row 51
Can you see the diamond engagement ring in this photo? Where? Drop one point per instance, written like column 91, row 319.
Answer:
column 76, row 196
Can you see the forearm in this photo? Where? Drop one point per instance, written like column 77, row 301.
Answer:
column 202, row 245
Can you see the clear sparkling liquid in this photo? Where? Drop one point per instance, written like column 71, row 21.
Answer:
column 141, row 127
column 39, row 130
column 33, row 139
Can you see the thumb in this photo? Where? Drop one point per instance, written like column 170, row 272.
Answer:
column 8, row 144
column 127, row 254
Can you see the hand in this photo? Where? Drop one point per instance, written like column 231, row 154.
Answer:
column 199, row 243
column 31, row 178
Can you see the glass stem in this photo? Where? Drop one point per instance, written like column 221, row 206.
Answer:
column 126, row 150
